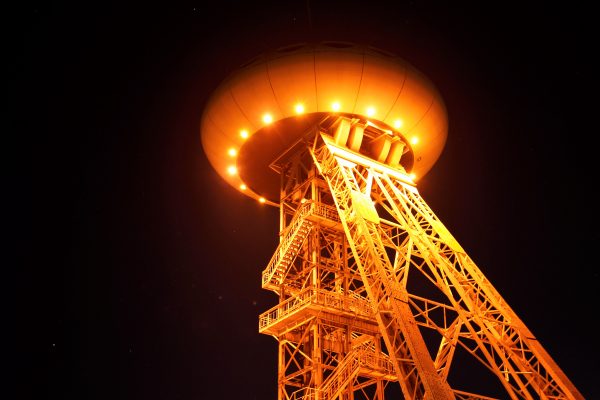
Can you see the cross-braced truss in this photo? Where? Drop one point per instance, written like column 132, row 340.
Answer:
column 354, row 233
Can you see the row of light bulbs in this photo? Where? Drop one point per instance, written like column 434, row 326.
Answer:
column 299, row 109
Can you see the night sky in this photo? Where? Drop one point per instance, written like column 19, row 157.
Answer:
column 138, row 268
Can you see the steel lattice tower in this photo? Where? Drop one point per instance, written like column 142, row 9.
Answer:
column 364, row 268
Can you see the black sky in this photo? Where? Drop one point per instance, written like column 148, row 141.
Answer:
column 138, row 269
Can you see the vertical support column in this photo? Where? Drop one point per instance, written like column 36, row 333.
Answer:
column 342, row 131
column 355, row 138
column 281, row 395
column 317, row 356
column 395, row 154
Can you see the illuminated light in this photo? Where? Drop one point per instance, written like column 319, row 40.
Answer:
column 243, row 187
column 370, row 111
column 267, row 118
column 398, row 124
column 335, row 106
column 414, row 140
column 232, row 152
column 244, row 134
column 262, row 199
column 412, row 177
column 232, row 170
column 303, row 201
column 299, row 108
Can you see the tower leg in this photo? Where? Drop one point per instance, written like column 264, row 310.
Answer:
column 502, row 342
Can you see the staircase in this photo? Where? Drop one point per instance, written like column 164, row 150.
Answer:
column 288, row 248
column 333, row 386
column 344, row 373
column 361, row 360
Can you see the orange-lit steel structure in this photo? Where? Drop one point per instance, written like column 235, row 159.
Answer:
column 336, row 135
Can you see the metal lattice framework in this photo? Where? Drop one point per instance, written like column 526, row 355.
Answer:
column 354, row 231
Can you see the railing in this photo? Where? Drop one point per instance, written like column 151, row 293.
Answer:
column 344, row 372
column 282, row 249
column 380, row 362
column 340, row 378
column 363, row 358
column 285, row 308
column 339, row 301
column 325, row 211
column 291, row 232
column 305, row 394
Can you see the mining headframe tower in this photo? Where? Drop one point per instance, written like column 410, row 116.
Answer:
column 374, row 291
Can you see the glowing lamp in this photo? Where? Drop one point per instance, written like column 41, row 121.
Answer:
column 267, row 118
